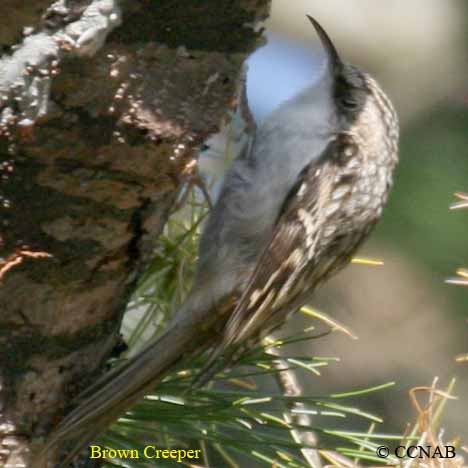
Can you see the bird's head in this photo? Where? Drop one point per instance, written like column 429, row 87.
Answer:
column 360, row 105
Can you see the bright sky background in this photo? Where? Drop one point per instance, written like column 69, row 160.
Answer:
column 277, row 71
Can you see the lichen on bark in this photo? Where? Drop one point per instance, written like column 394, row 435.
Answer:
column 86, row 186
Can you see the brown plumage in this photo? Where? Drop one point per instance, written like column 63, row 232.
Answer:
column 293, row 209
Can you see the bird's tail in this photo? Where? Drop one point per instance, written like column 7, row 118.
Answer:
column 108, row 398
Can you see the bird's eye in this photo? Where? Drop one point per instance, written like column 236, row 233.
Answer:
column 348, row 102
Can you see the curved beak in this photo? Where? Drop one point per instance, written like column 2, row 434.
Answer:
column 333, row 59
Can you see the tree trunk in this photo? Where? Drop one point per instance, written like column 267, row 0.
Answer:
column 102, row 108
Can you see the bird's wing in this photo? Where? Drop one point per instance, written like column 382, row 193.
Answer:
column 276, row 279
column 291, row 247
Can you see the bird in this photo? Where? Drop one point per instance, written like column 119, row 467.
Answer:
column 294, row 207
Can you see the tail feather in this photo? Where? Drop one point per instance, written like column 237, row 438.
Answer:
column 108, row 398
column 213, row 365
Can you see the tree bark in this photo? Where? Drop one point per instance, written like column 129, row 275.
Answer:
column 103, row 106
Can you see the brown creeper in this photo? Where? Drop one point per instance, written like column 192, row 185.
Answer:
column 294, row 208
